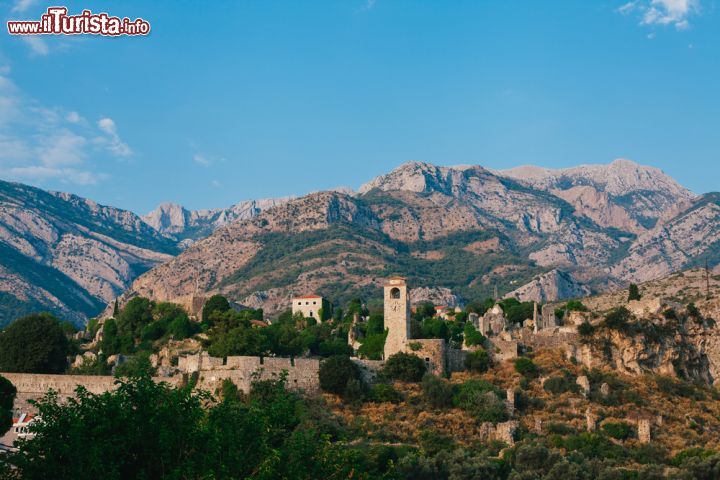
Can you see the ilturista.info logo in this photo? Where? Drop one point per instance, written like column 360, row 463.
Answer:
column 56, row 21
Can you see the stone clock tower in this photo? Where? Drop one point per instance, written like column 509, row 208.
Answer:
column 397, row 315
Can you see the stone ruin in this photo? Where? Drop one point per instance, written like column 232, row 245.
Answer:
column 643, row 432
column 584, row 383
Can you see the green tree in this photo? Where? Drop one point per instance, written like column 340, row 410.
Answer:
column 633, row 292
column 7, row 399
column 375, row 324
column 111, row 341
column 137, row 313
column 525, row 366
column 216, row 303
column 480, row 307
column 423, row 311
column 34, row 344
column 472, row 336
column 477, row 361
column 618, row 430
column 437, row 392
column 336, row 372
column 135, row 366
column 405, row 367
column 373, row 346
column 481, row 400
column 618, row 319
column 110, row 435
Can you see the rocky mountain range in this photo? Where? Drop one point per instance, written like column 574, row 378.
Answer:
column 187, row 226
column 69, row 255
column 537, row 233
column 540, row 235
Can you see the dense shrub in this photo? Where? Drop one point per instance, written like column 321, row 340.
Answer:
column 472, row 336
column 650, row 453
column 586, row 330
column 405, row 367
column 383, row 392
column 618, row 430
column 481, row 400
column 673, row 387
column 561, row 384
column 477, row 361
column 618, row 319
column 591, row 445
column 137, row 365
column 355, row 391
column 334, row 346
column 620, row 393
column 559, row 428
column 336, row 372
column 633, row 292
column 695, row 453
column 437, row 392
column 525, row 366
column 576, row 305
column 375, row 324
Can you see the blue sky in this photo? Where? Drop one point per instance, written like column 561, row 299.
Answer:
column 255, row 99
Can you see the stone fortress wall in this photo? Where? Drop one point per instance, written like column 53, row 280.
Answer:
column 302, row 373
column 32, row 386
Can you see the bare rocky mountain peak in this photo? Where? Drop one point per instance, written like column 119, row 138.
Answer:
column 618, row 178
column 182, row 224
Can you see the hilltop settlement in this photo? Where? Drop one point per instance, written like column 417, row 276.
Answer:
column 599, row 376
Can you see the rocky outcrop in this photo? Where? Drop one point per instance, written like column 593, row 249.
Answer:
column 597, row 205
column 677, row 352
column 436, row 296
column 550, row 287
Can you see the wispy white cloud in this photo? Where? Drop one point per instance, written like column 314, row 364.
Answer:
column 201, row 159
column 74, row 117
column 675, row 13
column 39, row 144
column 368, row 5
column 37, row 45
column 62, row 148
column 21, row 6
column 113, row 141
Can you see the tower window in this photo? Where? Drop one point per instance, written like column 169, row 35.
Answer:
column 395, row 293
